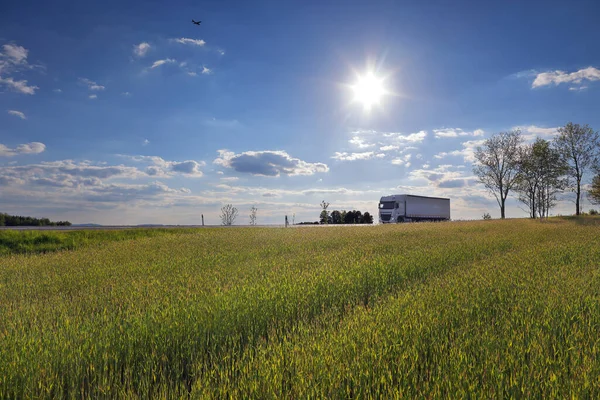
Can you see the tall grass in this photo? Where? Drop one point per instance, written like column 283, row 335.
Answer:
column 30, row 242
column 483, row 309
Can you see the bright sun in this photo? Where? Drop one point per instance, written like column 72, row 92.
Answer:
column 368, row 90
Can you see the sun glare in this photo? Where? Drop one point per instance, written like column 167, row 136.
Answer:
column 368, row 90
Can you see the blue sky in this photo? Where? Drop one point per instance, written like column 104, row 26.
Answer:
column 128, row 113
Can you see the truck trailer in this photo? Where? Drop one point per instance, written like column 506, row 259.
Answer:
column 411, row 208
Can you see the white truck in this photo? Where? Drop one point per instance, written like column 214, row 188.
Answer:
column 411, row 208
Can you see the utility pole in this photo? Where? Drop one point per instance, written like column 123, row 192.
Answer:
column 202, row 219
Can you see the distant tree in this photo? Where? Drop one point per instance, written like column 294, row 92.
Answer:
column 593, row 212
column 343, row 216
column 18, row 220
column 336, row 217
column 358, row 218
column 253, row 211
column 496, row 165
column 541, row 177
column 593, row 192
column 487, row 216
column 367, row 218
column 324, row 216
column 228, row 214
column 349, row 217
column 578, row 146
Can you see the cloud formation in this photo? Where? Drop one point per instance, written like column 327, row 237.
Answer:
column 467, row 152
column 18, row 86
column 193, row 42
column 366, row 155
column 557, row 77
column 267, row 163
column 91, row 84
column 17, row 114
column 27, row 148
column 141, row 49
column 161, row 168
column 158, row 63
column 456, row 132
column 531, row 132
column 13, row 59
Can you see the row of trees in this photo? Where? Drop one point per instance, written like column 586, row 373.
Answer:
column 18, row 220
column 538, row 172
column 343, row 217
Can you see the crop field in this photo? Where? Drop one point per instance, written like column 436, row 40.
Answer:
column 489, row 309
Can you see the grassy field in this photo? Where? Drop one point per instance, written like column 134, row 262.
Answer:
column 30, row 242
column 498, row 309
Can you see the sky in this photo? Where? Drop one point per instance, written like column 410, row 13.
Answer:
column 127, row 113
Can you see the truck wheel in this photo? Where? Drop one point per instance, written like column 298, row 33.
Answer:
column 400, row 219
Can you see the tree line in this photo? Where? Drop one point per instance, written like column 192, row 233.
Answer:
column 343, row 217
column 537, row 173
column 18, row 220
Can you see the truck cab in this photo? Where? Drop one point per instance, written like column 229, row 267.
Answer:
column 392, row 209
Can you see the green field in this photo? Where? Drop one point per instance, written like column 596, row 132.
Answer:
column 498, row 309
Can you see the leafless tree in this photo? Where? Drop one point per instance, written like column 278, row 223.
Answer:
column 578, row 146
column 497, row 165
column 253, row 211
column 228, row 214
column 324, row 217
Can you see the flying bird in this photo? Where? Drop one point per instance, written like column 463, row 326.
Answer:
column 196, row 22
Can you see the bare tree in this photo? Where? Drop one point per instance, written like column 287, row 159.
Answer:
column 497, row 165
column 228, row 214
column 578, row 146
column 253, row 211
column 324, row 217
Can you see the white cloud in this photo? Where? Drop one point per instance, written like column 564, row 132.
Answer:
column 93, row 96
column 577, row 89
column 360, row 143
column 57, row 90
column 389, row 147
column 456, row 132
column 91, row 84
column 16, row 54
column 146, row 142
column 386, row 141
column 13, row 59
column 412, row 138
column 206, row 71
column 162, row 168
column 268, row 163
column 366, row 155
column 27, row 148
column 18, row 86
column 221, row 52
column 531, row 132
column 194, row 42
column 158, row 63
column 141, row 49
column 467, row 152
column 126, row 94
column 405, row 160
column 557, row 77
column 17, row 114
